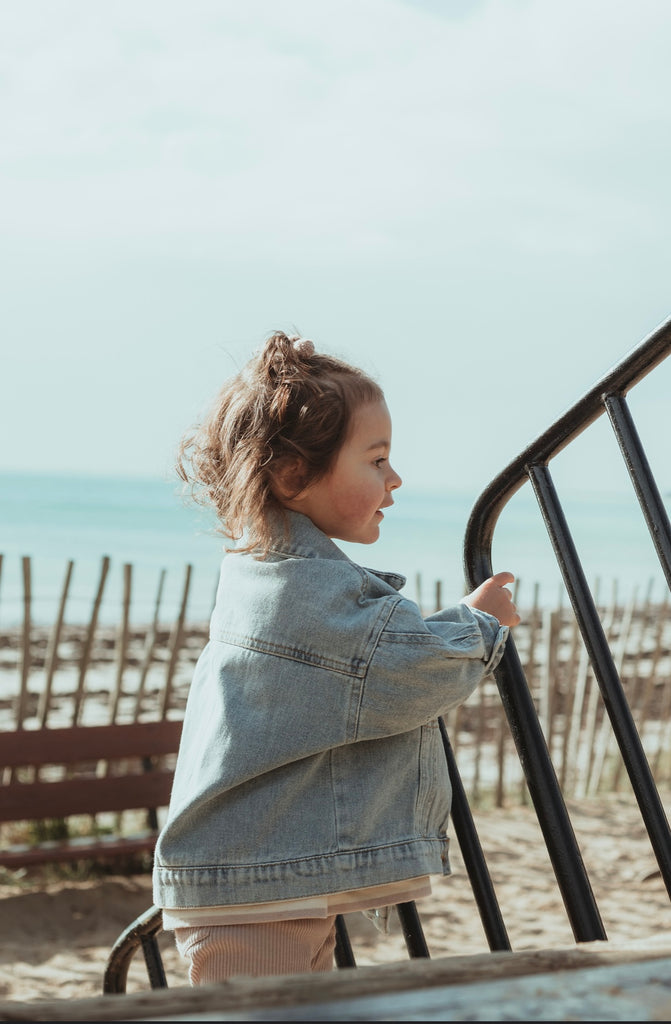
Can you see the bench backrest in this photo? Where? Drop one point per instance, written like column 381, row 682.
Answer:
column 57, row 772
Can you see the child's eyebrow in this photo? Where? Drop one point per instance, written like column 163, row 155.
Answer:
column 378, row 444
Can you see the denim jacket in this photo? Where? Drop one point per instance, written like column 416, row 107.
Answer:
column 311, row 759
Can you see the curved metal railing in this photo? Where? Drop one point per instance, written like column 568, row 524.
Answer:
column 607, row 396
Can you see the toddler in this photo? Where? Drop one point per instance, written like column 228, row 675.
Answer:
column 311, row 778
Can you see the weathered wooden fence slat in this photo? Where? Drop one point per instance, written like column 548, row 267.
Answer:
column 86, row 654
column 52, row 649
column 122, row 642
column 175, row 642
column 150, row 645
column 25, row 641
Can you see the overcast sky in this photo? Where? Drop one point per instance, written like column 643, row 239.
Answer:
column 471, row 200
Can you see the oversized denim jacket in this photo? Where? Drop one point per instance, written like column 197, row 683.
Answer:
column 311, row 759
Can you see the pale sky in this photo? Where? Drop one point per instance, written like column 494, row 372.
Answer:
column 471, row 200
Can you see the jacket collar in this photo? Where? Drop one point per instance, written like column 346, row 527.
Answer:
column 305, row 539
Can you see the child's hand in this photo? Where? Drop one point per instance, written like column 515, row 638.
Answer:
column 493, row 597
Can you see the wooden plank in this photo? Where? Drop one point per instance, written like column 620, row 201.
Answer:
column 32, row 801
column 80, row 743
column 84, row 794
column 332, row 995
column 84, row 848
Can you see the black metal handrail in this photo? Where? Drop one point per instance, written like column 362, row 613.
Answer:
column 607, row 396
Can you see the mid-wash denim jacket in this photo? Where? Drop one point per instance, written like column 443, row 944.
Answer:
column 311, row 760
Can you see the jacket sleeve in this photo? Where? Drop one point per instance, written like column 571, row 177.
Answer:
column 421, row 668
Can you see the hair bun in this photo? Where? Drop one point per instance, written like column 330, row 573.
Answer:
column 303, row 346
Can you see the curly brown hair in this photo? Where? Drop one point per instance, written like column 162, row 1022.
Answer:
column 288, row 404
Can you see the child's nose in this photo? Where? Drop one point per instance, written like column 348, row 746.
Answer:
column 394, row 480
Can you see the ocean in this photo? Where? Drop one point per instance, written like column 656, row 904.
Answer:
column 148, row 524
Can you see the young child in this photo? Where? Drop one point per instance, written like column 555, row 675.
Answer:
column 311, row 778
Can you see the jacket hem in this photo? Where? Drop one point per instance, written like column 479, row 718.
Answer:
column 214, row 885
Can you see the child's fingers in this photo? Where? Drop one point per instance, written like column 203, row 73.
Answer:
column 501, row 578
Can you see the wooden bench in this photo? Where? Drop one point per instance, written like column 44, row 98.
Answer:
column 85, row 770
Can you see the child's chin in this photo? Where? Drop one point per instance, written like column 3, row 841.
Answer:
column 363, row 536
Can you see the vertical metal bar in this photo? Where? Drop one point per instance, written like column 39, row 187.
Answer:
column 153, row 960
column 344, row 957
column 531, row 747
column 471, row 850
column 547, row 798
column 412, row 930
column 646, row 489
column 604, row 669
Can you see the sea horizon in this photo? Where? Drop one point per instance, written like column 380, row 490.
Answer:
column 145, row 522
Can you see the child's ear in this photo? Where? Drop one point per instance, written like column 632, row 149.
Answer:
column 289, row 478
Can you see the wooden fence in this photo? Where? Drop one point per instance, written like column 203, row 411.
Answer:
column 568, row 701
column 92, row 673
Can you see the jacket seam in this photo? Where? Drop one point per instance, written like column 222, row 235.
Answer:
column 355, row 668
column 428, row 637
column 382, row 621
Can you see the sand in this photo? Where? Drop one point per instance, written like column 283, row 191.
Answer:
column 57, row 931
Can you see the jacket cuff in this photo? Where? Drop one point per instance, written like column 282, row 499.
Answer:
column 494, row 636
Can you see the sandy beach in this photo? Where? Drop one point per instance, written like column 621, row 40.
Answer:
column 57, row 931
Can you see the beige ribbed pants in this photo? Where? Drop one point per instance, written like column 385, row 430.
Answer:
column 216, row 952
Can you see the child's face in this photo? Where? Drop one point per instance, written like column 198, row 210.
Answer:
column 346, row 504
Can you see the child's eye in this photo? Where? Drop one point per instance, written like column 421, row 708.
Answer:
column 380, row 462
